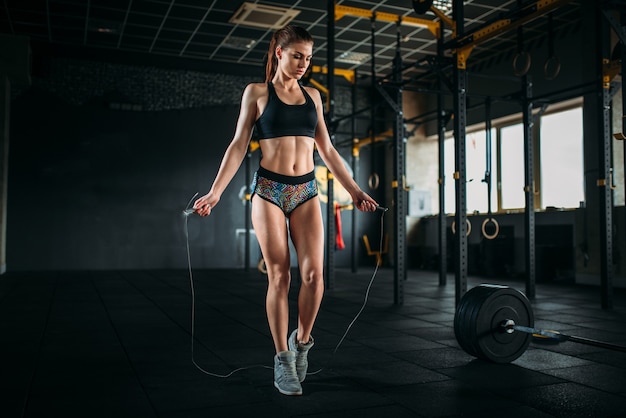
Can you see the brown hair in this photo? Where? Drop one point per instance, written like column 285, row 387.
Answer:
column 283, row 38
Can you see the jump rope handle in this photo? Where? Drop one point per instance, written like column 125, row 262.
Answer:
column 382, row 208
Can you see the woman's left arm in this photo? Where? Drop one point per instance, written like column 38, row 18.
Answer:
column 333, row 160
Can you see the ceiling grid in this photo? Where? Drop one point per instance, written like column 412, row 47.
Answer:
column 200, row 29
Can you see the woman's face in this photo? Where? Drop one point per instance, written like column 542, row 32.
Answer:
column 295, row 59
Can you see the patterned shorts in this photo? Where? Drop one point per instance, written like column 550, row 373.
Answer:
column 286, row 192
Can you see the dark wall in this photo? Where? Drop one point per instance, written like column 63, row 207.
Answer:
column 104, row 158
column 95, row 188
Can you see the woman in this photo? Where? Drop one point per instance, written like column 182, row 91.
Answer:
column 290, row 122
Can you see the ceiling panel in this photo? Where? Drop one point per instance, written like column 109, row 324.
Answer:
column 200, row 29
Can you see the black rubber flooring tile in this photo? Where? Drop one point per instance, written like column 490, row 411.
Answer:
column 437, row 358
column 435, row 333
column 399, row 343
column 204, row 392
column 397, row 373
column 406, row 324
column 535, row 359
column 91, row 394
column 494, row 377
column 327, row 392
column 395, row 411
column 569, row 399
column 347, row 356
column 608, row 357
column 452, row 398
column 605, row 378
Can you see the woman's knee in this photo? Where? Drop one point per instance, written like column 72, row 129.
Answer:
column 278, row 279
column 312, row 278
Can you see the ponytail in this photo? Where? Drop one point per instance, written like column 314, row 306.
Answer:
column 272, row 61
column 283, row 38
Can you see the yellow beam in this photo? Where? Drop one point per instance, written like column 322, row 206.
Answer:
column 358, row 143
column 468, row 42
column 432, row 26
column 447, row 20
column 347, row 74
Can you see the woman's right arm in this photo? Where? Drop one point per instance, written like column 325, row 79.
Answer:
column 235, row 152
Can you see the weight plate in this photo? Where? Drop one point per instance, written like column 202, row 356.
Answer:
column 478, row 319
column 477, row 300
column 465, row 316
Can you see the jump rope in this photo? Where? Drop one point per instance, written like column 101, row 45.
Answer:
column 189, row 211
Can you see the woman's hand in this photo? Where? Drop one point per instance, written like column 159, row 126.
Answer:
column 203, row 205
column 364, row 202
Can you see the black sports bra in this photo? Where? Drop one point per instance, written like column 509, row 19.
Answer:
column 280, row 119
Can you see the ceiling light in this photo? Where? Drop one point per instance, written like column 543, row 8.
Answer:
column 103, row 26
column 443, row 5
column 353, row 57
column 238, row 42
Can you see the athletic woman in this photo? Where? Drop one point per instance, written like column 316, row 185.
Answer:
column 290, row 123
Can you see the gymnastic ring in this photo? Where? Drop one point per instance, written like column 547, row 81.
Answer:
column 373, row 181
column 469, row 227
column 552, row 73
column 495, row 224
column 527, row 61
column 261, row 266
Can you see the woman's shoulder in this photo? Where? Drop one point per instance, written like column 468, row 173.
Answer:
column 313, row 93
column 256, row 89
column 257, row 86
column 311, row 90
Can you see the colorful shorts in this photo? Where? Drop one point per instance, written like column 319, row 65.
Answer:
column 286, row 192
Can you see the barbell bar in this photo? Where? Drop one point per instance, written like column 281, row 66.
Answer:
column 561, row 337
column 496, row 323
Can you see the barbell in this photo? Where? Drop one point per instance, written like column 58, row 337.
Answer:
column 496, row 323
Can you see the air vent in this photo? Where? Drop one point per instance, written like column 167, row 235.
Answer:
column 261, row 16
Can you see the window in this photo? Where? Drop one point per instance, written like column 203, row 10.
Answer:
column 512, row 167
column 476, row 167
column 562, row 182
column 560, row 140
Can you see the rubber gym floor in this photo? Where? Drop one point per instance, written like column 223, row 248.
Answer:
column 118, row 344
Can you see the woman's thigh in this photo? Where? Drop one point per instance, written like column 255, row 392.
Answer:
column 306, row 227
column 270, row 228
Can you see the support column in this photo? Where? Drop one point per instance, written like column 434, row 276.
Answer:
column 529, row 188
column 5, row 111
column 441, row 120
column 399, row 184
column 605, row 194
column 597, row 155
column 330, row 209
column 460, row 110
